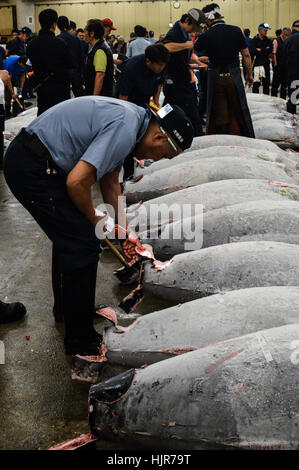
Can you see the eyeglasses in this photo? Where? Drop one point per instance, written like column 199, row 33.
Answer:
column 169, row 140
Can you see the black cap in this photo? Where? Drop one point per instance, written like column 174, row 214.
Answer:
column 264, row 26
column 177, row 125
column 26, row 30
column 295, row 24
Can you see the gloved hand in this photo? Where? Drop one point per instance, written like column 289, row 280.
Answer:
column 129, row 245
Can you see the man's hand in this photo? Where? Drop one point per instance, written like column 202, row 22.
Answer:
column 189, row 45
column 249, row 79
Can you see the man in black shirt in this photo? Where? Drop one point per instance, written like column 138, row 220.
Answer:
column 279, row 75
column 227, row 111
column 18, row 45
column 178, row 88
column 142, row 78
column 291, row 61
column 51, row 62
column 75, row 49
column 261, row 48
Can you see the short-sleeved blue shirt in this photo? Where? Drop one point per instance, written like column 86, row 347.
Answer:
column 13, row 68
column 98, row 130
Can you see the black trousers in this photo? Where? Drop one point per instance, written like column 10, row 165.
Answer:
column 76, row 82
column 265, row 82
column 279, row 79
column 50, row 94
column 75, row 246
column 186, row 98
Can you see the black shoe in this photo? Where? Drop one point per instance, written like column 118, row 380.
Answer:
column 84, row 347
column 59, row 316
column 11, row 312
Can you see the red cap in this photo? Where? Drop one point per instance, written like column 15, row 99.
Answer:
column 108, row 22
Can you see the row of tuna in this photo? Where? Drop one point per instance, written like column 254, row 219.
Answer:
column 218, row 369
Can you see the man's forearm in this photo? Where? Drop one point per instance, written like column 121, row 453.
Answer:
column 81, row 196
column 123, row 97
column 111, row 192
column 178, row 46
column 22, row 80
column 247, row 61
column 98, row 83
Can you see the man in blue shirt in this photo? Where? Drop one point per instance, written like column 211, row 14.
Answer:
column 51, row 167
column 139, row 44
column 179, row 87
column 141, row 77
column 15, row 66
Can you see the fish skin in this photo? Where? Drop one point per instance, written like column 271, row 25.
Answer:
column 211, row 196
column 224, row 268
column 223, row 151
column 240, row 141
column 158, row 335
column 265, row 220
column 194, row 173
column 239, row 393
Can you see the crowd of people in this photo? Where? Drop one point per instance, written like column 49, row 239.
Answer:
column 78, row 142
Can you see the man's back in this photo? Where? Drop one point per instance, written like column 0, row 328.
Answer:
column 16, row 47
column 291, row 51
column 75, row 48
column 137, row 47
column 49, row 55
column 222, row 43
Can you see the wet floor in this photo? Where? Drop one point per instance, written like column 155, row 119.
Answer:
column 39, row 403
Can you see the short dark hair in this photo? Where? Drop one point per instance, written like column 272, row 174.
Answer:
column 47, row 18
column 63, row 23
column 15, row 30
column 186, row 18
column 23, row 59
column 140, row 31
column 151, row 34
column 278, row 32
column 72, row 25
column 247, row 32
column 157, row 53
column 80, row 30
column 97, row 27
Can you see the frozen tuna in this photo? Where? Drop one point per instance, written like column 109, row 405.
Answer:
column 158, row 335
column 224, row 268
column 286, row 134
column 178, row 205
column 240, row 393
column 197, row 172
column 248, row 221
column 223, row 139
column 222, row 151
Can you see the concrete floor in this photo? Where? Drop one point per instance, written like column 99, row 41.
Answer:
column 39, row 403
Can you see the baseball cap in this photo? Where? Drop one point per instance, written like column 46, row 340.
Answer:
column 108, row 22
column 26, row 30
column 264, row 26
column 197, row 17
column 295, row 24
column 176, row 124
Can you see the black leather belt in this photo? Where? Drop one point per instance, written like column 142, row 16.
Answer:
column 35, row 145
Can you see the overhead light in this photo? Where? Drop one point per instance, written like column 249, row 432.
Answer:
column 170, row 25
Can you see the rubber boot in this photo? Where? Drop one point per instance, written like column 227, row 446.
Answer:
column 11, row 312
column 78, row 297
